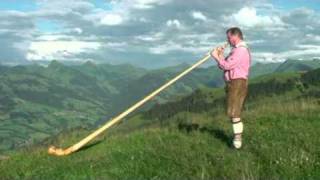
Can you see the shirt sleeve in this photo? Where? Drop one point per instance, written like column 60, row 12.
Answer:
column 231, row 61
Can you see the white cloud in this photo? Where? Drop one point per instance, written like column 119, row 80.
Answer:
column 147, row 4
column 198, row 15
column 117, row 46
column 173, row 46
column 266, row 57
column 313, row 37
column 48, row 50
column 150, row 38
column 300, row 52
column 111, row 19
column 137, row 25
column 303, row 50
column 247, row 16
column 174, row 23
column 77, row 30
column 52, row 37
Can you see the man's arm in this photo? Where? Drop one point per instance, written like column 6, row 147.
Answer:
column 232, row 60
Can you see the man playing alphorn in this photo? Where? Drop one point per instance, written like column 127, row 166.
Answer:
column 236, row 71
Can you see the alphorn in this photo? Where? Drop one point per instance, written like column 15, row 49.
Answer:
column 62, row 152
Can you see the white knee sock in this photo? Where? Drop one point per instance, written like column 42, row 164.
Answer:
column 237, row 125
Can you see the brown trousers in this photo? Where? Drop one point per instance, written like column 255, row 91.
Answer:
column 236, row 91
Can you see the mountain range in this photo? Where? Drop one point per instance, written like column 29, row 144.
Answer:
column 38, row 102
column 190, row 137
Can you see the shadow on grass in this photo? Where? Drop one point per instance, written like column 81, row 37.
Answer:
column 88, row 146
column 217, row 133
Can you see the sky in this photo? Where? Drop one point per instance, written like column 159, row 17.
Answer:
column 154, row 33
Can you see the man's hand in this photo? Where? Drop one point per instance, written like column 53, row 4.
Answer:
column 217, row 53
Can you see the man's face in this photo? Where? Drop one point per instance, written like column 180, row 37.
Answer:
column 233, row 39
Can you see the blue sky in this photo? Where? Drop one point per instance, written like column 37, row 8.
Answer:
column 291, row 4
column 102, row 4
column 154, row 33
column 47, row 26
column 18, row 5
column 29, row 5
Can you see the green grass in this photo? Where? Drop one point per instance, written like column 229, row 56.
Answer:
column 191, row 139
column 277, row 145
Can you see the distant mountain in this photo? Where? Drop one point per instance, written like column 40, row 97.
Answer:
column 38, row 101
column 191, row 138
column 298, row 65
column 259, row 69
column 289, row 65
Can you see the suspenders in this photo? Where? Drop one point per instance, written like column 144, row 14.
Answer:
column 247, row 47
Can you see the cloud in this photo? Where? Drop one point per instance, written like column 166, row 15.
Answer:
column 174, row 23
column 154, row 37
column 62, row 50
column 77, row 30
column 248, row 17
column 198, row 15
column 147, row 4
column 111, row 19
column 154, row 32
column 16, row 29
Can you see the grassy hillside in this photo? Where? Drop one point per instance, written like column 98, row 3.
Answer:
column 38, row 102
column 191, row 139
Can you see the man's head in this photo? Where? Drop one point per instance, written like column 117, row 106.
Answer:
column 234, row 35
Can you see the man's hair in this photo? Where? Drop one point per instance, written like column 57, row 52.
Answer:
column 235, row 31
